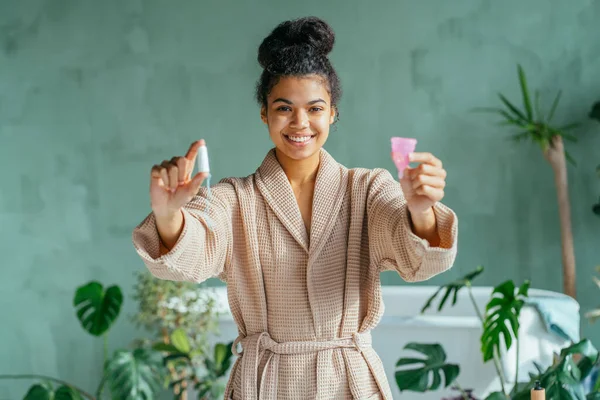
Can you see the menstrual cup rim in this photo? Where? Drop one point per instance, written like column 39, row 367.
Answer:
column 403, row 142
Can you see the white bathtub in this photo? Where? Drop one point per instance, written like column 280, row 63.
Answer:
column 457, row 329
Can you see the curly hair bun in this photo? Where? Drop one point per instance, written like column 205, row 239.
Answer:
column 306, row 36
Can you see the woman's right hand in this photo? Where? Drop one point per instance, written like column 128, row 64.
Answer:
column 171, row 185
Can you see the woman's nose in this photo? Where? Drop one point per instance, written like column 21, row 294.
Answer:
column 300, row 120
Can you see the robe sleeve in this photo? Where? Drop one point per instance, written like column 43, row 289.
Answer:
column 205, row 243
column 393, row 244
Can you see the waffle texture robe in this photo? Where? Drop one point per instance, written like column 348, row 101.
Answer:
column 304, row 303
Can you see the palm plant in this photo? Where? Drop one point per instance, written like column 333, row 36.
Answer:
column 535, row 126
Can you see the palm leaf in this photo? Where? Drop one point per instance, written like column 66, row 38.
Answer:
column 538, row 110
column 427, row 372
column 455, row 287
column 525, row 93
column 97, row 310
column 502, row 318
column 136, row 374
column 516, row 112
column 554, row 105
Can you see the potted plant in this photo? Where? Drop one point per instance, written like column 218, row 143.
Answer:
column 537, row 127
column 141, row 372
column 500, row 327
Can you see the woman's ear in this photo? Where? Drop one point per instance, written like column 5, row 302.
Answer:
column 332, row 117
column 263, row 114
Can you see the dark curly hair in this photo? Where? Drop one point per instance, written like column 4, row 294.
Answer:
column 297, row 48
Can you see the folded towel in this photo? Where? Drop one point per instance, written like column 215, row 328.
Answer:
column 559, row 313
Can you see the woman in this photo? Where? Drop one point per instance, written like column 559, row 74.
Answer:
column 302, row 241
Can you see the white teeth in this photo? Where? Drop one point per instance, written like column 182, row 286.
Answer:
column 299, row 139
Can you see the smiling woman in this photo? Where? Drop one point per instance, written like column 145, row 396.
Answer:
column 301, row 242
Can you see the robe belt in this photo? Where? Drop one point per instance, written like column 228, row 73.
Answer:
column 255, row 346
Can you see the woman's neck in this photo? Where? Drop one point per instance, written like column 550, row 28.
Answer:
column 299, row 172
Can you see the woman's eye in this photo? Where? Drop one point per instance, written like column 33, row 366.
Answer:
column 283, row 108
column 316, row 109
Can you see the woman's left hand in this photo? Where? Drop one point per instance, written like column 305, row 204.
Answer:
column 423, row 185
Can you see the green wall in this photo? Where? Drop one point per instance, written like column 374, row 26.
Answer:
column 92, row 93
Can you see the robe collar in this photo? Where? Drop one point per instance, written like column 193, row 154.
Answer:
column 330, row 187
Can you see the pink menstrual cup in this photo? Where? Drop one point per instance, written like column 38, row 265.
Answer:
column 401, row 148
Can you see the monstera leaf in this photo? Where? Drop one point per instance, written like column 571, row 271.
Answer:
column 427, row 372
column 563, row 380
column 136, row 374
column 97, row 309
column 46, row 392
column 452, row 288
column 503, row 308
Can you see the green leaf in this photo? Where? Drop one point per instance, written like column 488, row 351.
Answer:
column 593, row 396
column 39, row 392
column 570, row 158
column 595, row 112
column 180, row 340
column 455, row 287
column 166, row 347
column 538, row 110
column 516, row 112
column 97, row 310
column 525, row 93
column 563, row 379
column 222, row 359
column 502, row 318
column 136, row 374
column 427, row 373
column 67, row 393
column 554, row 105
column 496, row 396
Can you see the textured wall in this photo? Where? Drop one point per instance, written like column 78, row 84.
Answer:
column 93, row 93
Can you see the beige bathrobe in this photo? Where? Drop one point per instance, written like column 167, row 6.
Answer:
column 304, row 304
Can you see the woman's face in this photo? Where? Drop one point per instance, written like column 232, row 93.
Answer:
column 298, row 114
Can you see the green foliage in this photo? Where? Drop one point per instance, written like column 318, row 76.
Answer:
column 427, row 374
column 452, row 288
column 530, row 121
column 502, row 312
column 563, row 379
column 133, row 375
column 140, row 373
column 97, row 309
column 166, row 306
column 45, row 391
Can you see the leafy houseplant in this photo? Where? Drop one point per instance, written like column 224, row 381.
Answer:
column 537, row 127
column 134, row 374
column 178, row 313
column 500, row 326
